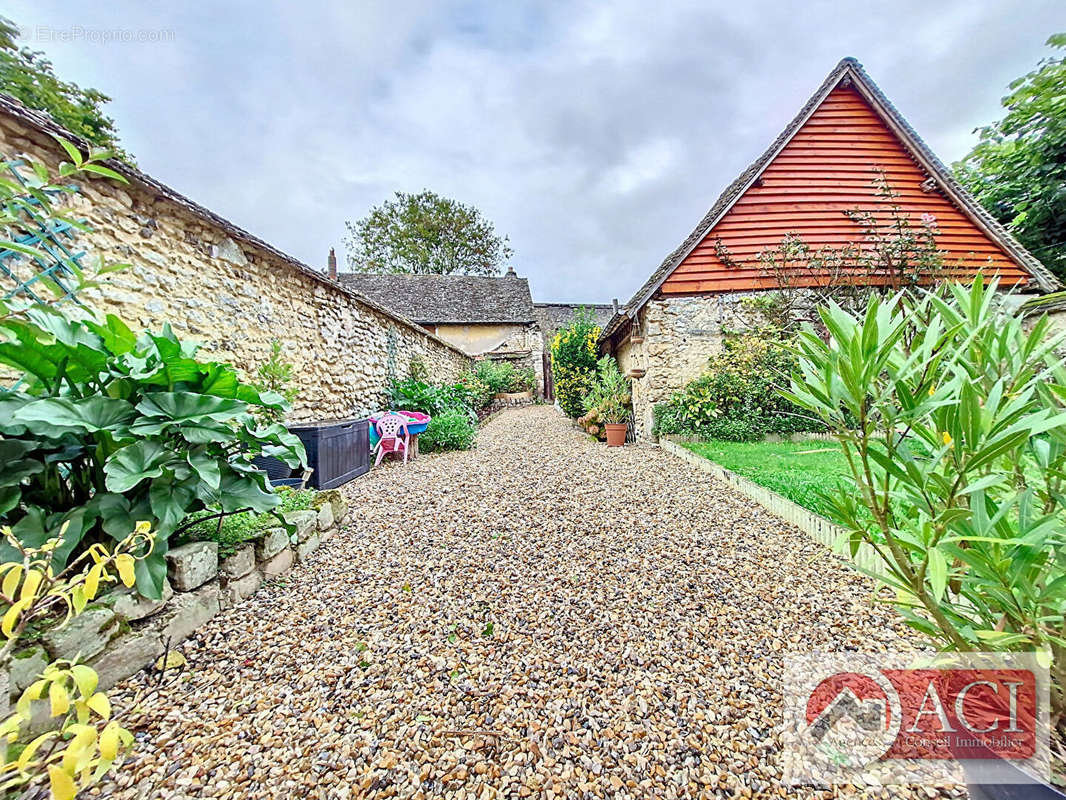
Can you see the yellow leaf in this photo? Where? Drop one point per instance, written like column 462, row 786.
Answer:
column 31, row 585
column 946, row 437
column 109, row 741
column 78, row 599
column 173, row 660
column 27, row 755
column 60, row 700
column 11, row 581
column 92, row 580
column 86, row 678
column 143, row 527
column 61, row 784
column 11, row 618
column 124, row 563
column 100, row 704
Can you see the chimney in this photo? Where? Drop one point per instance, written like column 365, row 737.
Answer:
column 510, row 272
column 332, row 268
column 615, row 303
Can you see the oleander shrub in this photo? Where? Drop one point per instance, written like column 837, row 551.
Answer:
column 452, row 430
column 952, row 414
column 573, row 360
column 737, row 399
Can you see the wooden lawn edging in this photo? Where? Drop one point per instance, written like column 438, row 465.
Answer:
column 814, row 525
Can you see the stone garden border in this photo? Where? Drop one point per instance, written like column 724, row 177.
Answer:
column 123, row 632
column 814, row 525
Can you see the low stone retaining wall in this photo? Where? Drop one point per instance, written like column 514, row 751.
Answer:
column 122, row 632
column 814, row 525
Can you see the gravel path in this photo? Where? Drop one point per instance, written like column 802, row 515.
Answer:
column 539, row 617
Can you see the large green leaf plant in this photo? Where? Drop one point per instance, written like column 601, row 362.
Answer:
column 952, row 415
column 106, row 429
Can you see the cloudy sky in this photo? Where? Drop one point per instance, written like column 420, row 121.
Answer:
column 595, row 134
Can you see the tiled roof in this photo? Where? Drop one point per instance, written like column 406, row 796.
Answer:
column 448, row 299
column 847, row 68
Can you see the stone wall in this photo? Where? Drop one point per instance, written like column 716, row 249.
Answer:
column 675, row 336
column 219, row 285
column 122, row 632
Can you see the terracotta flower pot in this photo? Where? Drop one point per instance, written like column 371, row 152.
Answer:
column 616, row 434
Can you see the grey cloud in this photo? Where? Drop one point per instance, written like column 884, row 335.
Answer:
column 594, row 134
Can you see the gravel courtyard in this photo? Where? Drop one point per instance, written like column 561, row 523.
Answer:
column 539, row 617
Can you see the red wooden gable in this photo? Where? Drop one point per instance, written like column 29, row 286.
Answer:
column 828, row 168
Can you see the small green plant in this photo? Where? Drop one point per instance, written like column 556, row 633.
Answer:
column 275, row 375
column 235, row 529
column 452, row 430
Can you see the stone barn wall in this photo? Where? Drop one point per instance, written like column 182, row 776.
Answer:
column 675, row 336
column 219, row 285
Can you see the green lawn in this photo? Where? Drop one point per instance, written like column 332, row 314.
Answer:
column 797, row 470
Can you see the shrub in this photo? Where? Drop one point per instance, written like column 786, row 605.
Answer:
column 479, row 392
column 951, row 418
column 411, row 395
column 573, row 358
column 106, row 429
column 737, row 399
column 414, row 395
column 452, row 430
column 502, row 376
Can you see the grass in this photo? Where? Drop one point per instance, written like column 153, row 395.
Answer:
column 801, row 471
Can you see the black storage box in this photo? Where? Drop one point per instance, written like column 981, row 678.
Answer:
column 338, row 450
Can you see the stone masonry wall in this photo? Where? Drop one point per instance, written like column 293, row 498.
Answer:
column 679, row 335
column 122, row 632
column 221, row 286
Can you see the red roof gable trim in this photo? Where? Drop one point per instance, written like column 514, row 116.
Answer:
column 847, row 70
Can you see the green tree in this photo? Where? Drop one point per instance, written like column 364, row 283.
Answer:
column 426, row 234
column 28, row 76
column 1018, row 169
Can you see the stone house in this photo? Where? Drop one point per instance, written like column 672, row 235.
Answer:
column 486, row 317
column 835, row 158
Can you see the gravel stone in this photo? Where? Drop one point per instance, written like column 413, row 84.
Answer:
column 539, row 617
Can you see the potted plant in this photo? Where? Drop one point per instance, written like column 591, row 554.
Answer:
column 609, row 401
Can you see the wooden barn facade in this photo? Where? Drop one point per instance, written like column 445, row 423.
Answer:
column 834, row 159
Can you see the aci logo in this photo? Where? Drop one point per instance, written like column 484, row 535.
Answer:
column 895, row 718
